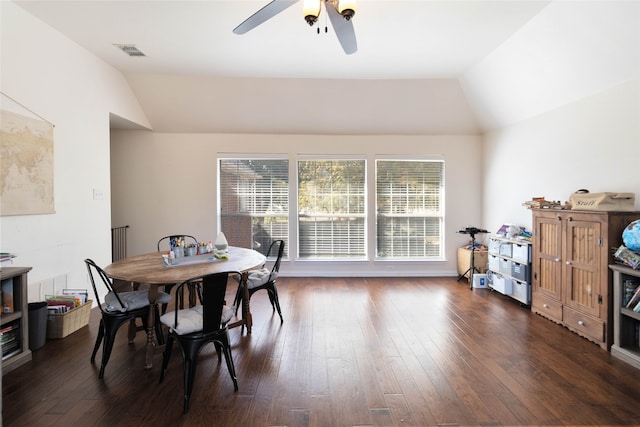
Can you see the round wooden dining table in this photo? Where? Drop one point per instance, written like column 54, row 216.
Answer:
column 150, row 269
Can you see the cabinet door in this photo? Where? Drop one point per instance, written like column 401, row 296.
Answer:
column 582, row 287
column 547, row 256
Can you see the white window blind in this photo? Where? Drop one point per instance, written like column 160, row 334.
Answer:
column 331, row 209
column 254, row 201
column 409, row 204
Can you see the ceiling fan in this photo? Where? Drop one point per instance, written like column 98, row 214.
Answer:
column 340, row 13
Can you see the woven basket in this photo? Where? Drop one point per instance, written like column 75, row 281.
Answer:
column 61, row 325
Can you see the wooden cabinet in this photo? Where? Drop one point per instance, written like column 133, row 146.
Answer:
column 626, row 322
column 14, row 318
column 571, row 281
column 510, row 268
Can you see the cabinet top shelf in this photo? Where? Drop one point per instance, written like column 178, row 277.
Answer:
column 630, row 313
column 506, row 239
column 7, row 272
column 626, row 270
column 578, row 211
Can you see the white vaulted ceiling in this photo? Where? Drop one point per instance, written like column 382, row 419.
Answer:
column 422, row 67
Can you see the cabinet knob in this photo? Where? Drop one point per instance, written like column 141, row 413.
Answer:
column 568, row 262
column 545, row 305
column 580, row 322
column 557, row 260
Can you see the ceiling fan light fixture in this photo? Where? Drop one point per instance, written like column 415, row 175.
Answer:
column 346, row 8
column 311, row 11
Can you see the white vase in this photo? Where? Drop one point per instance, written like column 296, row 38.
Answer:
column 221, row 242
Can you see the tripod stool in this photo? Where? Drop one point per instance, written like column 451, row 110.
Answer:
column 471, row 231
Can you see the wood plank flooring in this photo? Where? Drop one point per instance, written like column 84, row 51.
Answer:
column 351, row 352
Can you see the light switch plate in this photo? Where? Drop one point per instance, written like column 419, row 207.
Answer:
column 98, row 194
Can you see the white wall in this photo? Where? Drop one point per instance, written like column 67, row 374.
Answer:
column 166, row 183
column 176, row 103
column 593, row 143
column 571, row 50
column 71, row 88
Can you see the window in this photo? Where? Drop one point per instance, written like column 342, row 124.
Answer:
column 254, row 202
column 409, row 205
column 331, row 209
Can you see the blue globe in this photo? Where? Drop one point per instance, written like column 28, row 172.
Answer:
column 631, row 236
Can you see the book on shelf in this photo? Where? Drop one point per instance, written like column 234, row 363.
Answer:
column 9, row 329
column 7, row 332
column 10, row 353
column 7, row 296
column 10, row 340
column 10, row 343
column 6, row 256
column 629, row 287
column 634, row 300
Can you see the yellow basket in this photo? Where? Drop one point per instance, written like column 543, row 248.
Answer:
column 63, row 324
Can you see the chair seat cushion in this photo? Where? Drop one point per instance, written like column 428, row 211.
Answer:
column 190, row 319
column 132, row 300
column 260, row 277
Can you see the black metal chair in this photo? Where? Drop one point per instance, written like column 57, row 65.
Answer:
column 265, row 279
column 168, row 240
column 167, row 243
column 196, row 326
column 119, row 308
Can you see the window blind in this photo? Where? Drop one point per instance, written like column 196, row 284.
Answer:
column 331, row 209
column 254, row 201
column 409, row 208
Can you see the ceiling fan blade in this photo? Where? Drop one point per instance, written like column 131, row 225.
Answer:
column 344, row 30
column 264, row 14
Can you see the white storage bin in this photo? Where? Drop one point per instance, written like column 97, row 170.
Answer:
column 520, row 271
column 502, row 284
column 494, row 246
column 505, row 266
column 520, row 253
column 505, row 249
column 520, row 291
column 494, row 263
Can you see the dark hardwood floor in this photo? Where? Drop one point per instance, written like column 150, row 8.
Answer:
column 351, row 352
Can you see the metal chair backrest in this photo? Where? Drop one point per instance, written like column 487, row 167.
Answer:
column 106, row 281
column 174, row 237
column 212, row 290
column 279, row 244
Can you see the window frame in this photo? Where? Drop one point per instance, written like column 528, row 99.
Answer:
column 365, row 206
column 222, row 157
column 442, row 214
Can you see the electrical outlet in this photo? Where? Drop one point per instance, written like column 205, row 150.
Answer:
column 98, row 194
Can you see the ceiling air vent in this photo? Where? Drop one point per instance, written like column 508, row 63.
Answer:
column 130, row 49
